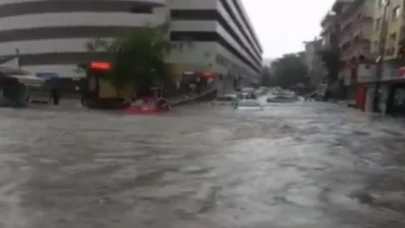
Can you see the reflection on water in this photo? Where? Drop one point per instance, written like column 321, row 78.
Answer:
column 291, row 165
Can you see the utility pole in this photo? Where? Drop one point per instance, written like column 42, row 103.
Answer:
column 380, row 59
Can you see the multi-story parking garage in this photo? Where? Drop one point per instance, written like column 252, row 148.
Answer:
column 223, row 38
column 50, row 35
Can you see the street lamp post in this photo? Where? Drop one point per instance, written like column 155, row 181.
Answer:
column 380, row 59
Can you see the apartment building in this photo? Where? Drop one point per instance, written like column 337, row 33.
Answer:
column 356, row 26
column 316, row 70
column 393, row 26
column 50, row 36
column 389, row 28
column 347, row 32
column 329, row 32
column 331, row 37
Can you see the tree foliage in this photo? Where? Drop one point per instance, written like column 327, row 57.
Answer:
column 288, row 71
column 137, row 58
column 332, row 63
column 267, row 77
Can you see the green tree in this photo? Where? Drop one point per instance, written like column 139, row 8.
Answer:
column 332, row 63
column 289, row 70
column 138, row 57
column 267, row 77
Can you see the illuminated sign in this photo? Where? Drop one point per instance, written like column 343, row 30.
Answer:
column 100, row 66
column 208, row 75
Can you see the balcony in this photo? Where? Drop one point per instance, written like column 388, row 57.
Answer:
column 326, row 44
column 328, row 19
column 326, row 30
column 356, row 51
column 356, row 21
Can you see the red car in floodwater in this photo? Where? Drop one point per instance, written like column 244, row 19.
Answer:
column 149, row 105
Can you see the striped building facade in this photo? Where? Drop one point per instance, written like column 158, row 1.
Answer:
column 223, row 38
column 50, row 35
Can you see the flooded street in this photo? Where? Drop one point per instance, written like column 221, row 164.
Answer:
column 304, row 165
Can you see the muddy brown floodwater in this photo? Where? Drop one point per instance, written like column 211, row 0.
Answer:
column 304, row 165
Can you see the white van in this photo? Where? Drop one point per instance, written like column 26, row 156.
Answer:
column 36, row 90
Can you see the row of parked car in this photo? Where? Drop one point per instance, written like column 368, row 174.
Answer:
column 245, row 99
column 248, row 98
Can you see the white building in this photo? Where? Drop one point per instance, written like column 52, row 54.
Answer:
column 316, row 67
column 50, row 35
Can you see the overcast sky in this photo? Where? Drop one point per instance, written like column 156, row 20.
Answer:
column 283, row 25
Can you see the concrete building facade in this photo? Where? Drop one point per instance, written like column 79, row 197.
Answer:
column 329, row 29
column 331, row 35
column 367, row 32
column 50, row 36
column 314, row 63
column 390, row 29
column 356, row 22
column 347, row 32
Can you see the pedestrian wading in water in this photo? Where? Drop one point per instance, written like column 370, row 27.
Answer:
column 55, row 95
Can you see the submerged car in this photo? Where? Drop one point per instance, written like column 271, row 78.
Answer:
column 246, row 96
column 282, row 96
column 281, row 99
column 246, row 99
column 228, row 99
column 148, row 105
column 246, row 104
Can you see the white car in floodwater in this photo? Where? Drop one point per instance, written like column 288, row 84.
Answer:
column 248, row 104
column 226, row 100
column 247, row 101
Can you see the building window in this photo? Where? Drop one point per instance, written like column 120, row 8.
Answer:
column 396, row 13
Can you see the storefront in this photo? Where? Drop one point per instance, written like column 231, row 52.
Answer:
column 192, row 81
column 99, row 93
column 396, row 101
column 396, row 97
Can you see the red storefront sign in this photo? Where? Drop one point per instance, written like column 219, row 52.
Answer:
column 361, row 96
column 100, row 65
